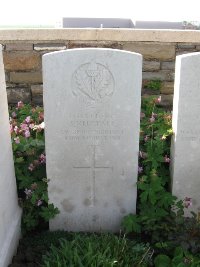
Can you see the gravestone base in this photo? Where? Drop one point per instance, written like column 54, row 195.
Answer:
column 11, row 241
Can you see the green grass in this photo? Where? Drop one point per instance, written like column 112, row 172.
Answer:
column 96, row 250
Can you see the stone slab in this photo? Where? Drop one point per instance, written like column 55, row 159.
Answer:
column 159, row 51
column 121, row 35
column 10, row 213
column 92, row 108
column 26, row 77
column 22, row 60
column 185, row 167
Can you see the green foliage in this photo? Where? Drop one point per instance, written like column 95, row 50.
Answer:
column 159, row 216
column 155, row 214
column 27, row 131
column 153, row 85
column 104, row 250
column 181, row 258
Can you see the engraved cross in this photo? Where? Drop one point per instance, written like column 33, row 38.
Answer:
column 93, row 168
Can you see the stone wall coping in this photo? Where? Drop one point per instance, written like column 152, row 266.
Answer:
column 118, row 35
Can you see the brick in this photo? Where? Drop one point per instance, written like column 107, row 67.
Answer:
column 159, row 51
column 22, row 61
column 26, row 77
column 37, row 89
column 19, row 47
column 101, row 44
column 49, row 47
column 159, row 75
column 151, row 65
column 167, row 88
column 166, row 100
column 37, row 94
column 186, row 46
column 168, row 65
column 18, row 94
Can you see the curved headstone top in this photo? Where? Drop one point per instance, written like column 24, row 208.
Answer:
column 186, row 127
column 92, row 116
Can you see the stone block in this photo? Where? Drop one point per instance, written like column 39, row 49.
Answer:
column 37, row 90
column 37, row 94
column 49, row 47
column 166, row 100
column 22, row 61
column 167, row 88
column 26, row 77
column 100, row 44
column 159, row 75
column 151, row 65
column 186, row 46
column 167, row 65
column 18, row 94
column 159, row 51
column 19, row 47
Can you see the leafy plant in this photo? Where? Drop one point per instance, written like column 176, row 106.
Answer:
column 153, row 85
column 104, row 250
column 159, row 213
column 27, row 131
column 181, row 258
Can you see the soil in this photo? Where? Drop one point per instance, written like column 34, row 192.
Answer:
column 33, row 246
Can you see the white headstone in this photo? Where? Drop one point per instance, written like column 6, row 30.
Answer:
column 92, row 110
column 185, row 152
column 10, row 214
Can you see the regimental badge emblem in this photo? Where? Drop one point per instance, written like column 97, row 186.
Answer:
column 93, row 83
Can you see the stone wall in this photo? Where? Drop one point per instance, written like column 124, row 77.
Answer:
column 23, row 50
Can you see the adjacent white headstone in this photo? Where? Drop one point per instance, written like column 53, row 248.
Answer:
column 92, row 110
column 185, row 151
column 10, row 214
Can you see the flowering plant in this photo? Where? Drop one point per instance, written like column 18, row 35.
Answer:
column 158, row 211
column 27, row 132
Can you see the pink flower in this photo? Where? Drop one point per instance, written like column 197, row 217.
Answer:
column 140, row 169
column 152, row 119
column 31, row 126
column 11, row 128
column 27, row 134
column 166, row 159
column 158, row 100
column 31, row 167
column 28, row 119
column 17, row 140
column 39, row 202
column 24, row 127
column 41, row 116
column 187, row 202
column 16, row 129
column 14, row 115
column 28, row 193
column 42, row 158
column 20, row 104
